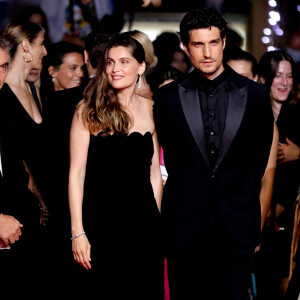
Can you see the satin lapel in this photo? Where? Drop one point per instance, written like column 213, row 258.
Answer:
column 191, row 107
column 235, row 112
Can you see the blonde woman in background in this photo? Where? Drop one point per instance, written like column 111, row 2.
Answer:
column 143, row 89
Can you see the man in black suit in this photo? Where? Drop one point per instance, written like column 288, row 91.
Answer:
column 216, row 130
column 10, row 227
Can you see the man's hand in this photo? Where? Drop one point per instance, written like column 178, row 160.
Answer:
column 10, row 230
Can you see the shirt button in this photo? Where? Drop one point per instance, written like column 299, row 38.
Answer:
column 212, row 152
column 212, row 133
column 211, row 114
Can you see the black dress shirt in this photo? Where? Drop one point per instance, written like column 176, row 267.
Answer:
column 213, row 95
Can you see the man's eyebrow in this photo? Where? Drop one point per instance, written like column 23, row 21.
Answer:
column 201, row 42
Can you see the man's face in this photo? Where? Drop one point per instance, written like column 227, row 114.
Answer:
column 4, row 58
column 205, row 49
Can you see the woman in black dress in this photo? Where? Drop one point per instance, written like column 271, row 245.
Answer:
column 22, row 132
column 115, row 184
column 61, row 90
column 276, row 72
column 21, row 104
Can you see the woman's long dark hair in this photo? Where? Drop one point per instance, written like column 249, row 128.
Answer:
column 268, row 65
column 102, row 110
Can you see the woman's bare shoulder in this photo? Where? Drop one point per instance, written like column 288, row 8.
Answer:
column 78, row 115
column 81, row 104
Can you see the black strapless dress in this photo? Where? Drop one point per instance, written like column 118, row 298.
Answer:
column 121, row 217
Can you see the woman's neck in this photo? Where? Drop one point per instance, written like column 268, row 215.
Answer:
column 17, row 74
column 126, row 97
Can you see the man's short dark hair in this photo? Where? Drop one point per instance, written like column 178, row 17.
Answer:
column 5, row 44
column 95, row 46
column 201, row 18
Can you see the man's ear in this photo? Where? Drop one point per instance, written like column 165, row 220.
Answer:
column 224, row 42
column 186, row 49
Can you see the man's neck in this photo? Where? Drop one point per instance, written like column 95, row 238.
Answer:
column 212, row 76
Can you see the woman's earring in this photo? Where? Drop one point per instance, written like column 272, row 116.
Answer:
column 27, row 56
column 140, row 81
column 53, row 79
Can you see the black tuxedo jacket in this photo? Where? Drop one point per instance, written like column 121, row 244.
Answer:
column 223, row 200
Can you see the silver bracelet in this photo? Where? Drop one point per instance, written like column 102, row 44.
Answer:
column 77, row 235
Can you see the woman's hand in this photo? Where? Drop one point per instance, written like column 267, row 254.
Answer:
column 82, row 251
column 288, row 152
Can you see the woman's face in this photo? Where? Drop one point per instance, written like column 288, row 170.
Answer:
column 70, row 73
column 283, row 82
column 122, row 68
column 38, row 51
